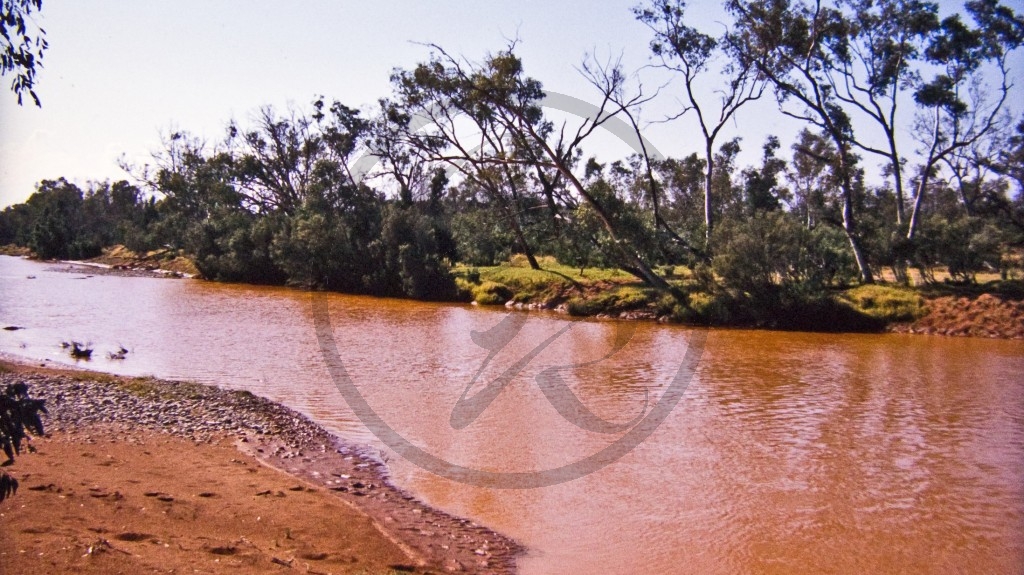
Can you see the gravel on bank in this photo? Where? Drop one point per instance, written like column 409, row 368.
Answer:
column 82, row 403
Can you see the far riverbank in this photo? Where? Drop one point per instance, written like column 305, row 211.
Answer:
column 993, row 309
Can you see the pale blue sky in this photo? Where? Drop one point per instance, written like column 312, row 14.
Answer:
column 118, row 73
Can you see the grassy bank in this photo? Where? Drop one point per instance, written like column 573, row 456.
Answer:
column 701, row 301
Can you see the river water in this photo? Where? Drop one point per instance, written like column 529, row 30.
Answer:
column 787, row 452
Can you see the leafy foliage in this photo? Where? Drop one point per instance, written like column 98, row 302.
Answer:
column 772, row 249
column 62, row 221
column 22, row 44
column 19, row 414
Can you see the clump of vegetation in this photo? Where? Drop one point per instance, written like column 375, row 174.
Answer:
column 491, row 293
column 886, row 303
column 19, row 416
column 704, row 308
column 613, row 301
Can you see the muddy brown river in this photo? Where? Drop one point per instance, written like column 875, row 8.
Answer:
column 786, row 452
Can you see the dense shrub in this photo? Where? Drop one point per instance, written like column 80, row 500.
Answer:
column 772, row 249
column 481, row 238
column 409, row 258
column 233, row 247
column 965, row 246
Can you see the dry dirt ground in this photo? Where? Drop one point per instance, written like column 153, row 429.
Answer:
column 144, row 502
column 981, row 316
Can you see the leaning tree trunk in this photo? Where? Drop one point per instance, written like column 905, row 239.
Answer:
column 639, row 267
column 517, row 229
column 850, row 224
column 897, row 178
column 915, row 212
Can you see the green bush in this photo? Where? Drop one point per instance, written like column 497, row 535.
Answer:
column 770, row 250
column 463, row 289
column 708, row 308
column 965, row 246
column 410, row 253
column 481, row 238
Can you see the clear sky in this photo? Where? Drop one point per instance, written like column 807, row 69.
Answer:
column 118, row 73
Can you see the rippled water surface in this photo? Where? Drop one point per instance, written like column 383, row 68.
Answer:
column 789, row 452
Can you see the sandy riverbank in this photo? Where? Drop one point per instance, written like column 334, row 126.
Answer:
column 142, row 475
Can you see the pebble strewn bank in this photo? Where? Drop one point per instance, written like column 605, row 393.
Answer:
column 280, row 437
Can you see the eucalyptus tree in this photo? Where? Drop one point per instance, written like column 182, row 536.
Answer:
column 282, row 160
column 1005, row 159
column 958, row 110
column 810, row 176
column 973, row 174
column 644, row 187
column 59, row 221
column 861, row 62
column 762, row 189
column 506, row 107
column 1009, row 161
column 874, row 61
column 699, row 59
column 397, row 159
column 790, row 42
column 437, row 118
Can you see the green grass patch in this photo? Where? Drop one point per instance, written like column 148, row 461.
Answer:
column 517, row 273
column 614, row 301
column 885, row 303
column 516, row 281
column 522, row 278
column 491, row 293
